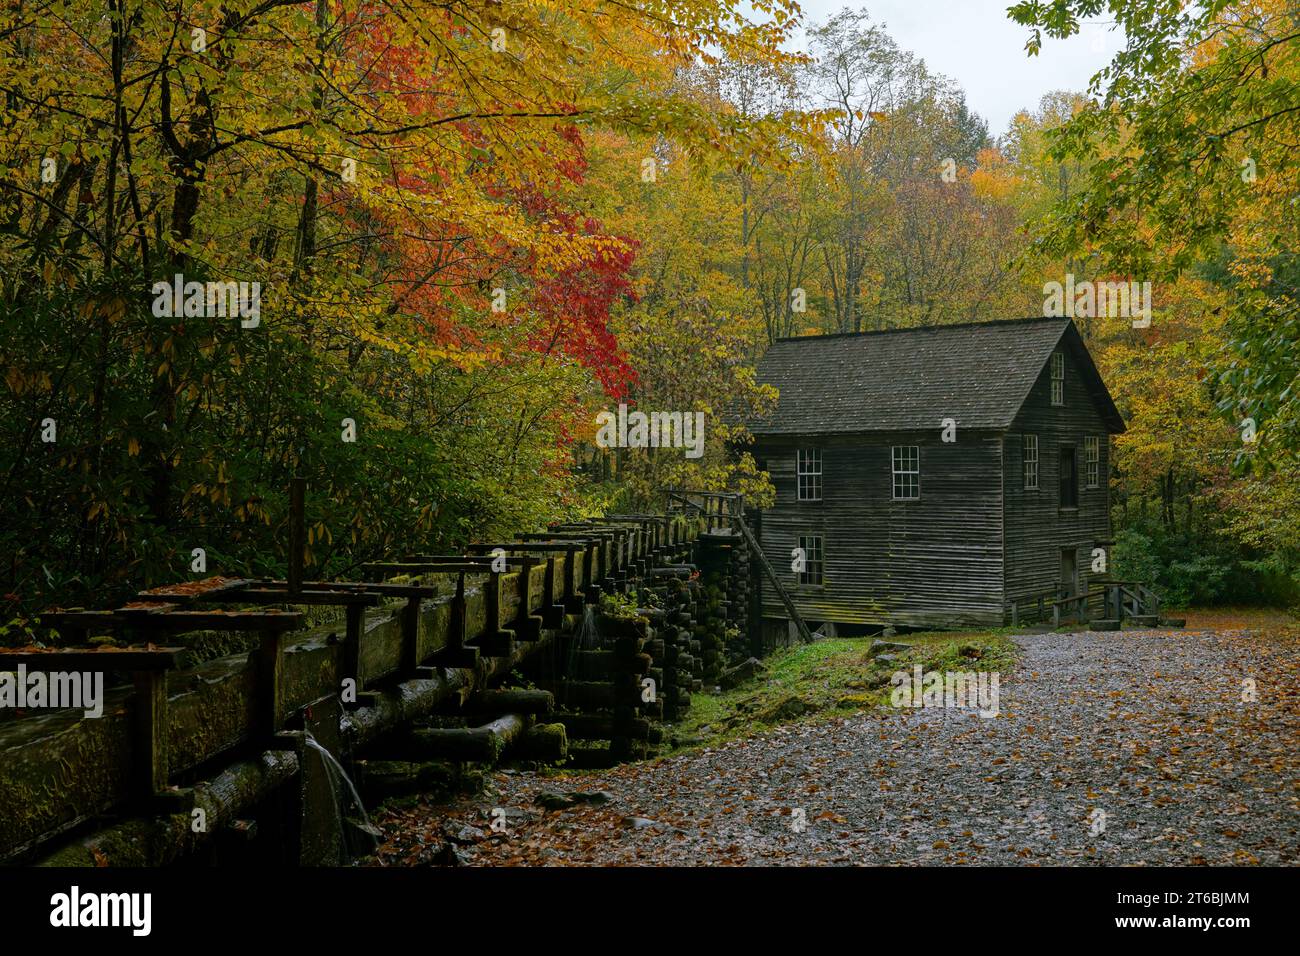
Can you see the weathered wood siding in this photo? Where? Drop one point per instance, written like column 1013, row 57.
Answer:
column 936, row 561
column 1037, row 528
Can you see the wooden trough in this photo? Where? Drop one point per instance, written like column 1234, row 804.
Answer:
column 232, row 732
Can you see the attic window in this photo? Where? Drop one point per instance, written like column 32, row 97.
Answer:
column 809, row 468
column 907, row 472
column 1058, row 378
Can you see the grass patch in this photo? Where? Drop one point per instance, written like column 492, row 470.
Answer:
column 831, row 678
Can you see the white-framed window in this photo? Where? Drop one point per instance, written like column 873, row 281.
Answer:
column 907, row 472
column 1029, row 453
column 809, row 468
column 1058, row 378
column 1092, row 461
column 814, row 561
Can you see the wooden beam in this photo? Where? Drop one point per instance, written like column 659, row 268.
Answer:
column 757, row 552
column 178, row 622
column 478, row 744
column 355, row 622
column 410, row 659
column 527, row 625
column 305, row 596
column 111, row 659
column 149, row 743
column 269, row 701
column 377, row 587
column 456, row 652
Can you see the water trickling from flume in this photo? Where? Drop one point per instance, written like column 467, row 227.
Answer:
column 340, row 784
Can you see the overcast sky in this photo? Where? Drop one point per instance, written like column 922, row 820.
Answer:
column 974, row 43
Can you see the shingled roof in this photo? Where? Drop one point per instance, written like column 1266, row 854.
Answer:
column 979, row 373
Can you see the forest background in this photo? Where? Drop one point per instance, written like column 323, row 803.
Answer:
column 476, row 225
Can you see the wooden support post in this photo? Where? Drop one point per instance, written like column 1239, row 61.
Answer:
column 612, row 557
column 495, row 641
column 637, row 551
column 1015, row 613
column 456, row 635
column 552, row 608
column 297, row 531
column 591, row 590
column 270, row 689
column 602, row 567
column 527, row 625
column 352, row 648
column 150, row 744
column 624, row 540
column 456, row 653
column 410, row 635
column 492, row 602
column 572, row 600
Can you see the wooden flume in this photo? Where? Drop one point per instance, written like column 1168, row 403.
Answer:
column 431, row 644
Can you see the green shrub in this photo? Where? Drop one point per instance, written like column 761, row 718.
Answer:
column 1202, row 569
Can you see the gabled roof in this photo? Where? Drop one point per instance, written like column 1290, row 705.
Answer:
column 979, row 373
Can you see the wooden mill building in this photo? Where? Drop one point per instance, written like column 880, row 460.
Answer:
column 933, row 476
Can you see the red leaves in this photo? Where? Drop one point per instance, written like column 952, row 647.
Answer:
column 574, row 307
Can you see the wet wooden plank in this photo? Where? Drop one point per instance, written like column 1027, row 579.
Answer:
column 109, row 659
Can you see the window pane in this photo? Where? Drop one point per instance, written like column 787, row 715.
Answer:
column 809, row 474
column 1029, row 449
column 906, row 471
column 813, row 561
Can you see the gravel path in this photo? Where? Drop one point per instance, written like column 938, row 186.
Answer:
column 1120, row 749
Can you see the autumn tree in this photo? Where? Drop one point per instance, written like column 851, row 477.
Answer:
column 409, row 187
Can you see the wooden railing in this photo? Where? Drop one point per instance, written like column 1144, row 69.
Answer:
column 1115, row 600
